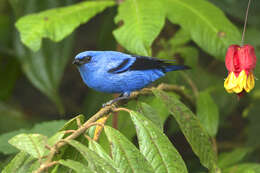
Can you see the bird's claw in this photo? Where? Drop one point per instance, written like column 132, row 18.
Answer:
column 121, row 97
column 107, row 103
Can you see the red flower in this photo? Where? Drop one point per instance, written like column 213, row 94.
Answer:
column 240, row 62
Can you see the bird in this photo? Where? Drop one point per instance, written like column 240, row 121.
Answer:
column 116, row 72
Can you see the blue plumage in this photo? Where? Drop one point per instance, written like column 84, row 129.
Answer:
column 115, row 72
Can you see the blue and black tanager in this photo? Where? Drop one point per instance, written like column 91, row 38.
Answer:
column 116, row 72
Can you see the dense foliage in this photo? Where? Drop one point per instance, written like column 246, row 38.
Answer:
column 185, row 122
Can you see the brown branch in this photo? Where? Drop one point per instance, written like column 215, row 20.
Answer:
column 119, row 1
column 103, row 112
column 44, row 167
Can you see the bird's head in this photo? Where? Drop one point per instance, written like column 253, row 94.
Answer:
column 85, row 57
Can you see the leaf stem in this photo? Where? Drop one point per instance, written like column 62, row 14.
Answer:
column 245, row 24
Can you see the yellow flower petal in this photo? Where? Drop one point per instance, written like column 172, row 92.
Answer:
column 241, row 82
column 230, row 81
column 235, row 84
column 250, row 83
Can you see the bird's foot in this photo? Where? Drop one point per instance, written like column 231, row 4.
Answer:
column 121, row 97
column 110, row 102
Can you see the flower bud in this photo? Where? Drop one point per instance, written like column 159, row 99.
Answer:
column 240, row 63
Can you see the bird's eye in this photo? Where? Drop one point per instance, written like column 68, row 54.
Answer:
column 87, row 59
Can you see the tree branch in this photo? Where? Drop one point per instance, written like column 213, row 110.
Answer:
column 103, row 112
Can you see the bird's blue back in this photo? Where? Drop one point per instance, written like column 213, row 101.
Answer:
column 115, row 72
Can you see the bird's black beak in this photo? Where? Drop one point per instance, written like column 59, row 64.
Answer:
column 76, row 62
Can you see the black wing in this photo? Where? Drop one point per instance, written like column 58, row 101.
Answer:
column 141, row 63
column 146, row 63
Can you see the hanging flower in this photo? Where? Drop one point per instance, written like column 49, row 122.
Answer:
column 240, row 63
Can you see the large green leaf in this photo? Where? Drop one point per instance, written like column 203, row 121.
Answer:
column 45, row 68
column 156, row 147
column 45, row 128
column 76, row 166
column 22, row 163
column 207, row 112
column 58, row 23
column 157, row 105
column 94, row 146
column 228, row 159
column 207, row 25
column 96, row 163
column 33, row 144
column 152, row 114
column 235, row 7
column 16, row 163
column 142, row 22
column 192, row 129
column 126, row 156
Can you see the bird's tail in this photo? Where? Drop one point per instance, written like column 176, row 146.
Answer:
column 176, row 67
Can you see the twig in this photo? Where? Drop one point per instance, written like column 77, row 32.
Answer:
column 103, row 112
column 119, row 1
column 215, row 145
column 44, row 167
column 191, row 83
column 245, row 24
column 121, row 109
column 69, row 131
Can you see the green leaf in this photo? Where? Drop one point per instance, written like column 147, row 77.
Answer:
column 151, row 114
column 142, row 23
column 230, row 158
column 76, row 166
column 16, row 163
column 207, row 112
column 126, row 156
column 96, row 163
column 191, row 128
column 22, row 163
column 244, row 168
column 68, row 152
column 156, row 147
column 54, row 139
column 233, row 8
column 94, row 146
column 157, row 105
column 45, row 68
column 207, row 25
column 33, row 144
column 72, row 123
column 45, row 128
column 57, row 23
